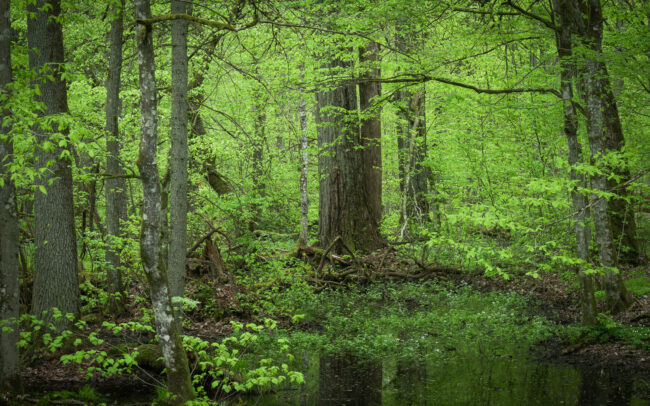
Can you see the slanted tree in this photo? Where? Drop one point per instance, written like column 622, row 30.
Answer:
column 115, row 182
column 9, row 232
column 178, row 375
column 55, row 256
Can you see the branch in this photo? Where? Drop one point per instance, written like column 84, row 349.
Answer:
column 199, row 20
column 530, row 15
column 418, row 78
column 476, row 11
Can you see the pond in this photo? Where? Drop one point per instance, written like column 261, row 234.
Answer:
column 488, row 379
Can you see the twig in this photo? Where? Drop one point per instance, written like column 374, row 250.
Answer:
column 322, row 259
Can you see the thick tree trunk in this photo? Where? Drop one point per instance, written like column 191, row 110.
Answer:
column 344, row 208
column 178, row 375
column 115, row 183
column 617, row 297
column 371, row 126
column 304, row 166
column 179, row 156
column 587, row 298
column 55, row 256
column 9, row 232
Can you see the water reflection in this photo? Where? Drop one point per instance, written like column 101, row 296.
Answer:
column 464, row 379
column 349, row 380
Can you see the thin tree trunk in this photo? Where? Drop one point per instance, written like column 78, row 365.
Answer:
column 587, row 298
column 115, row 185
column 304, row 166
column 55, row 256
column 621, row 211
column 9, row 232
column 178, row 374
column 179, row 155
column 258, row 141
column 617, row 297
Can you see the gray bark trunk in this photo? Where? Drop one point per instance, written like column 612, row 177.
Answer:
column 412, row 149
column 344, row 209
column 304, row 166
column 55, row 256
column 617, row 297
column 179, row 155
column 115, row 184
column 258, row 141
column 178, row 375
column 9, row 232
column 587, row 298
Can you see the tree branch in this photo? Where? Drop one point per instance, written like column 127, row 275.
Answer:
column 204, row 21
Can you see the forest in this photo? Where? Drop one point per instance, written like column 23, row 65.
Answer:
column 325, row 202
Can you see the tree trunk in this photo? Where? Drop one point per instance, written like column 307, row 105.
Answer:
column 55, row 256
column 9, row 232
column 258, row 141
column 115, row 184
column 178, row 374
column 371, row 126
column 179, row 156
column 412, row 149
column 620, row 211
column 304, row 166
column 617, row 297
column 344, row 205
column 564, row 49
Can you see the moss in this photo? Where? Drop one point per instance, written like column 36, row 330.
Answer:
column 149, row 357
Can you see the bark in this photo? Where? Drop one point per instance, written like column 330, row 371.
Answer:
column 344, row 206
column 258, row 141
column 621, row 212
column 9, row 232
column 55, row 256
column 617, row 297
column 412, row 150
column 179, row 155
column 371, row 126
column 304, row 166
column 115, row 185
column 178, row 375
column 564, row 48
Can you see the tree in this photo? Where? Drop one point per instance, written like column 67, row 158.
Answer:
column 178, row 154
column 304, row 165
column 178, row 374
column 579, row 200
column 9, row 232
column 55, row 257
column 591, row 32
column 369, row 92
column 115, row 183
column 345, row 194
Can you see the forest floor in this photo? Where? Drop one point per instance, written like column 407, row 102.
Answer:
column 551, row 296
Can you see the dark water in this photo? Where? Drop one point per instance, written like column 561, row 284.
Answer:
column 476, row 380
